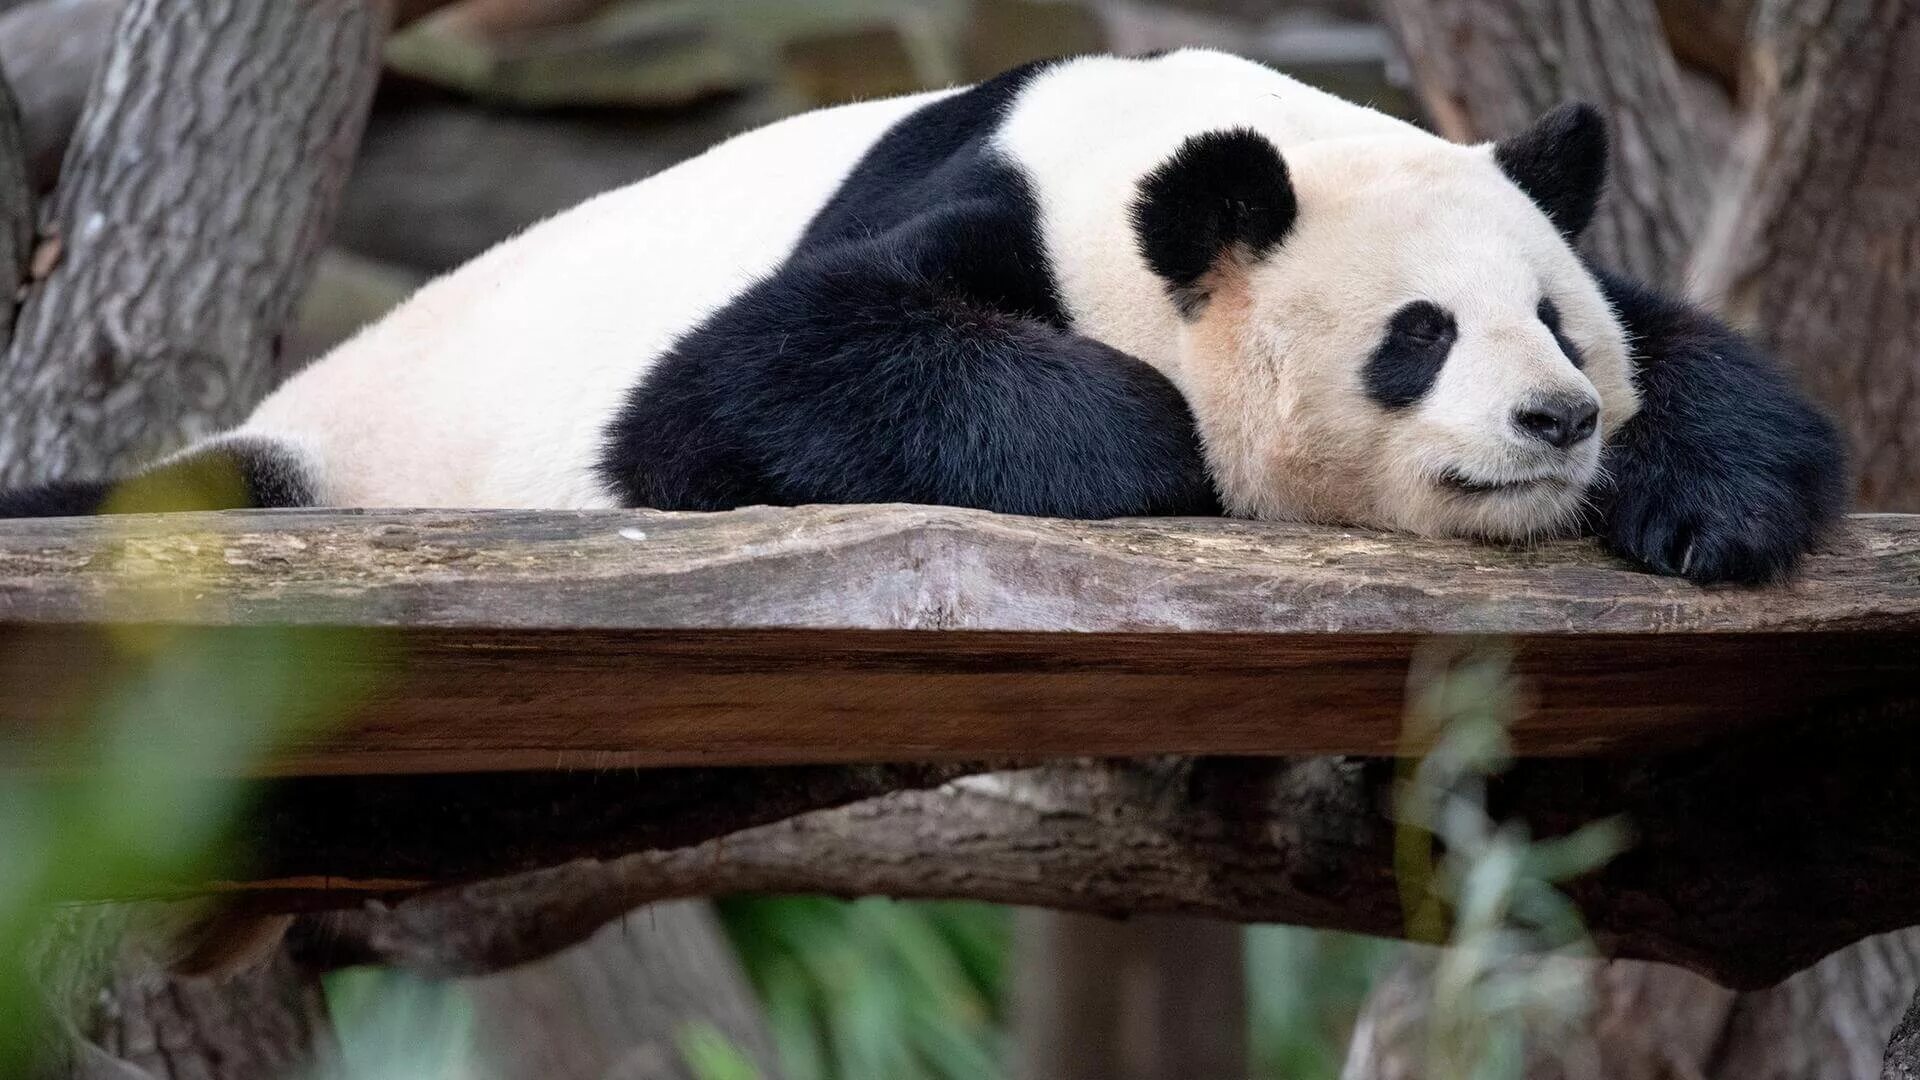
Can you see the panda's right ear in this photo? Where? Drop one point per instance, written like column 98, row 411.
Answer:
column 1222, row 195
column 1561, row 163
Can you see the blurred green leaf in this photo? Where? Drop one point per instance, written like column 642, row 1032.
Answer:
column 876, row 988
column 395, row 1026
column 710, row 1055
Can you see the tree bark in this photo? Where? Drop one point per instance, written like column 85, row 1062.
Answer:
column 1487, row 68
column 1748, row 891
column 1903, row 1050
column 1653, row 1022
column 16, row 209
column 1709, row 36
column 198, row 189
column 1817, row 244
column 1144, row 998
column 1649, row 1022
column 267, row 1021
column 51, row 52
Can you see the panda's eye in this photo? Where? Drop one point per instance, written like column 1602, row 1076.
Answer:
column 1550, row 317
column 1423, row 324
column 1408, row 359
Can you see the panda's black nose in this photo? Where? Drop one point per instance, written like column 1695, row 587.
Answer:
column 1560, row 422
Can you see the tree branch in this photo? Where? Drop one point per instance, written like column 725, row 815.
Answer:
column 1742, row 888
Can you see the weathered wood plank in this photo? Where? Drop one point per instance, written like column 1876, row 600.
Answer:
column 502, row 641
column 897, row 568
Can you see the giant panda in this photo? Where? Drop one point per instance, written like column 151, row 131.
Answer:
column 1090, row 287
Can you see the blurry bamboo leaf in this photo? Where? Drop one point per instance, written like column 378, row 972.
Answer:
column 710, row 1055
column 877, row 989
column 1487, row 888
column 395, row 1026
column 1305, row 987
column 159, row 751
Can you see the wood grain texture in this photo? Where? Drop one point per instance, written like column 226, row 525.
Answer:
column 198, row 187
column 534, row 641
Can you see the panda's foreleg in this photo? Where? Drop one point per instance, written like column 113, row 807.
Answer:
column 1727, row 473
column 227, row 473
column 857, row 376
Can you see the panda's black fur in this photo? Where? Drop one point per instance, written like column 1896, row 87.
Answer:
column 914, row 347
column 1726, row 474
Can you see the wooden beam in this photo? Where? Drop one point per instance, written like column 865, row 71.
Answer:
column 503, row 641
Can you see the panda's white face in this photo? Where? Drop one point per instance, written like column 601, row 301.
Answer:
column 1422, row 351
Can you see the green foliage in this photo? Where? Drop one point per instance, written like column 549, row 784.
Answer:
column 396, row 1026
column 877, row 989
column 710, row 1055
column 1492, row 894
column 1304, row 988
column 152, row 796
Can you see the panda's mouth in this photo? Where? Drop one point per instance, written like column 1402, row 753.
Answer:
column 1456, row 481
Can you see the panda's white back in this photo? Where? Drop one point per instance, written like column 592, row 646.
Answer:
column 493, row 386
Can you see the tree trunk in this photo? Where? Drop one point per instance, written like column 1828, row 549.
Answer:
column 1903, row 1050
column 1709, row 36
column 1817, row 243
column 266, row 1022
column 1650, row 1022
column 1653, row 1022
column 1487, row 68
column 198, row 189
column 1146, row 998
column 16, row 210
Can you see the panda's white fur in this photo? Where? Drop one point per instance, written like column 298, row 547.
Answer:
column 493, row 385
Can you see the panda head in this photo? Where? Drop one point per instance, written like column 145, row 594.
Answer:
column 1393, row 330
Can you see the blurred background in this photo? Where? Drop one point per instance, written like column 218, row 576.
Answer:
column 490, row 115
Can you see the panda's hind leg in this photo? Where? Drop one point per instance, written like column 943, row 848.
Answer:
column 227, row 473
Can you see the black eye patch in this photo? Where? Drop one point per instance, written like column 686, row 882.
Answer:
column 1409, row 357
column 1550, row 316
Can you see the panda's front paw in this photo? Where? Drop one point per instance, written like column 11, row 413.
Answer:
column 1727, row 473
column 1710, row 541
column 1724, row 510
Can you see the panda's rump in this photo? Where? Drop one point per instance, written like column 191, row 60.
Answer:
column 493, row 385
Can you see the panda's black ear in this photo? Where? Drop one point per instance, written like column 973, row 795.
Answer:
column 1222, row 194
column 1561, row 163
